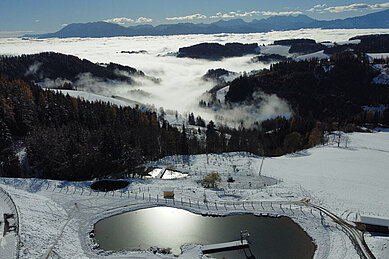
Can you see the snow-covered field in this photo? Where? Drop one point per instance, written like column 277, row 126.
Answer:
column 316, row 55
column 56, row 217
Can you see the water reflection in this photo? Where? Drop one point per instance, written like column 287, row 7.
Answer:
column 167, row 227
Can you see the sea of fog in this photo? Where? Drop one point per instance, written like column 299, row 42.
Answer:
column 181, row 86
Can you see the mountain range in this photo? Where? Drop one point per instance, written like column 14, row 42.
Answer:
column 289, row 22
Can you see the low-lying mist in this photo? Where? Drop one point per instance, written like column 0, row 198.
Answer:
column 180, row 87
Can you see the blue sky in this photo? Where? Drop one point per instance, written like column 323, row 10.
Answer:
column 52, row 15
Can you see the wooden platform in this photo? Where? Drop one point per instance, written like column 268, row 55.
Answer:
column 227, row 246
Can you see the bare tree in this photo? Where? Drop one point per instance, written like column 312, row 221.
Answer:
column 340, row 138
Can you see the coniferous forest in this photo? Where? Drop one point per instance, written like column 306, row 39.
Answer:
column 73, row 139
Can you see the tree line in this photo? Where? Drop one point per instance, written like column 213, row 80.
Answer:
column 74, row 139
column 327, row 90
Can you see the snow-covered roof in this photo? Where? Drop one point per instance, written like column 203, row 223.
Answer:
column 375, row 220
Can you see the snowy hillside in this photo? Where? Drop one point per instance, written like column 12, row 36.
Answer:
column 97, row 98
column 56, row 217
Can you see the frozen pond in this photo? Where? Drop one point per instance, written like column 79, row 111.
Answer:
column 167, row 227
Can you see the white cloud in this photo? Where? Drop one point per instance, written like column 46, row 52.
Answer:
column 188, row 17
column 143, row 20
column 120, row 20
column 348, row 8
column 281, row 13
column 124, row 21
column 318, row 8
column 235, row 14
column 64, row 25
column 223, row 15
column 252, row 13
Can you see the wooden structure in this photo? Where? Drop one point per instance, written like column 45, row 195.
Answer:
column 168, row 193
column 227, row 246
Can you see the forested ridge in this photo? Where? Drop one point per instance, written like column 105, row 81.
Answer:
column 326, row 90
column 68, row 138
column 51, row 65
column 74, row 139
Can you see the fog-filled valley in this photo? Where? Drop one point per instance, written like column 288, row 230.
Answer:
column 179, row 86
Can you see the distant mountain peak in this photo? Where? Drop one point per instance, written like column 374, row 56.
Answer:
column 281, row 22
column 232, row 22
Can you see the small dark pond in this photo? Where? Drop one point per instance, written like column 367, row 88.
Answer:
column 109, row 185
column 167, row 227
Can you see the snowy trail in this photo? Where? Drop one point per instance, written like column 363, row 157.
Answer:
column 61, row 231
column 356, row 236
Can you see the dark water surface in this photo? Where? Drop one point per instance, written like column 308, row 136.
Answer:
column 167, row 227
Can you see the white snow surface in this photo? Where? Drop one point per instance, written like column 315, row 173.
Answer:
column 221, row 94
column 380, row 108
column 87, row 96
column 347, row 181
column 276, row 49
column 373, row 56
column 319, row 55
column 383, row 77
column 347, row 42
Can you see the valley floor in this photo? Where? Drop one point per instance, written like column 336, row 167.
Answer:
column 56, row 217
